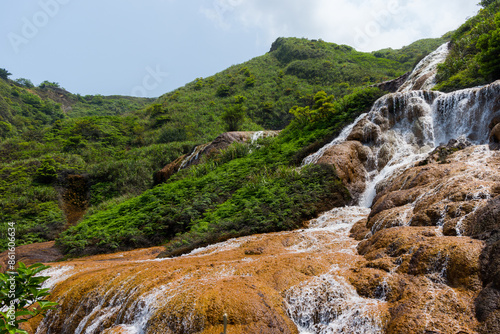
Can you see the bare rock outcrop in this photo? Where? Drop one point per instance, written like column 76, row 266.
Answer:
column 207, row 150
column 349, row 159
column 392, row 85
column 433, row 238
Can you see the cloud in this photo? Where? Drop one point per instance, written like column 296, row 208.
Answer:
column 365, row 24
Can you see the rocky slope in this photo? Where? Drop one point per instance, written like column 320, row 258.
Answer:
column 425, row 242
column 260, row 282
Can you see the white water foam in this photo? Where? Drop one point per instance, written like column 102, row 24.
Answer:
column 423, row 76
column 410, row 123
column 328, row 304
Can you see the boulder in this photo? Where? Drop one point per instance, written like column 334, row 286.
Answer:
column 365, row 132
column 495, row 134
column 349, row 159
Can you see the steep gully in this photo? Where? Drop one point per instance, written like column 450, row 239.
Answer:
column 417, row 255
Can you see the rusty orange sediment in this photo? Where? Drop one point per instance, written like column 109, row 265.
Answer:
column 250, row 278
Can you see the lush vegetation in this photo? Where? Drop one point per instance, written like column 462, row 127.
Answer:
column 474, row 54
column 289, row 75
column 41, row 143
column 62, row 154
column 410, row 55
column 243, row 190
column 20, row 290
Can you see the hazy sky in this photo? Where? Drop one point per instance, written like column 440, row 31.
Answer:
column 150, row 47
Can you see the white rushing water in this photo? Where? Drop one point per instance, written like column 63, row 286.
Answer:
column 424, row 75
column 409, row 125
column 328, row 303
column 403, row 128
column 313, row 158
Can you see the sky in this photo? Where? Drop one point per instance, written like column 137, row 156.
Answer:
column 147, row 48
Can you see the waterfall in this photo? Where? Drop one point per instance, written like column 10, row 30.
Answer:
column 256, row 136
column 193, row 156
column 404, row 126
column 313, row 158
column 140, row 295
column 424, row 75
column 400, row 129
column 466, row 113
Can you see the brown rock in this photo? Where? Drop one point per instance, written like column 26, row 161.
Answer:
column 190, row 294
column 495, row 134
column 485, row 222
column 437, row 194
column 359, row 231
column 488, row 310
column 420, row 252
column 423, row 276
column 348, row 159
column 369, row 282
column 164, row 174
column 392, row 85
column 33, row 253
column 365, row 132
column 494, row 121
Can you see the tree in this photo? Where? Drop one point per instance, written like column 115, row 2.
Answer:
column 486, row 3
column 25, row 82
column 489, row 45
column 4, row 74
column 323, row 104
column 234, row 115
column 48, row 84
column 223, row 91
column 22, row 297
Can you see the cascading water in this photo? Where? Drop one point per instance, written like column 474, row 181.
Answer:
column 328, row 303
column 169, row 296
column 424, row 75
column 401, row 129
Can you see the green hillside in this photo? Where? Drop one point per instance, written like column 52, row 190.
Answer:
column 288, row 75
column 475, row 51
column 64, row 155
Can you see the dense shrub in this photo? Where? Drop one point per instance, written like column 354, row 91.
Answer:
column 473, row 58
